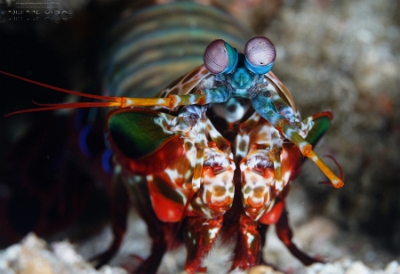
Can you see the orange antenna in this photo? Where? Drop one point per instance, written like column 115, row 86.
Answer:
column 111, row 101
column 171, row 101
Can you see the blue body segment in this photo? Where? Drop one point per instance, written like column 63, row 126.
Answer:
column 233, row 58
column 258, row 69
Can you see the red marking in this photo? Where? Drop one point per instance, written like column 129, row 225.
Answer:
column 155, row 162
column 273, row 216
column 166, row 209
column 328, row 114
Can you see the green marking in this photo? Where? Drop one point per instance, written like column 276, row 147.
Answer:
column 136, row 134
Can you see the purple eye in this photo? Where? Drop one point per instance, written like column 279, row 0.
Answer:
column 220, row 57
column 259, row 55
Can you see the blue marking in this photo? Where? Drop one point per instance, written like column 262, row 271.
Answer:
column 242, row 78
column 266, row 108
column 233, row 58
column 106, row 161
column 83, row 140
column 258, row 69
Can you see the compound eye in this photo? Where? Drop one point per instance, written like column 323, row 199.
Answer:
column 259, row 55
column 220, row 57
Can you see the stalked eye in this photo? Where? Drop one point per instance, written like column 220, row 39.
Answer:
column 259, row 55
column 220, row 57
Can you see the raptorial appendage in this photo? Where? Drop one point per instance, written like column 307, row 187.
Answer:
column 228, row 180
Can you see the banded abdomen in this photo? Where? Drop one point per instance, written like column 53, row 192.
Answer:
column 153, row 47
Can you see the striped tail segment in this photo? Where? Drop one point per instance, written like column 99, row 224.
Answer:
column 154, row 46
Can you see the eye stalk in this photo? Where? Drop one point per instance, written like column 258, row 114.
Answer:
column 259, row 55
column 220, row 57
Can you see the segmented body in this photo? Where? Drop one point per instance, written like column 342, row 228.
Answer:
column 154, row 46
column 215, row 153
column 222, row 179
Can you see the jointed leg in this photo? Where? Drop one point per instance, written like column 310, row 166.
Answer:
column 119, row 214
column 266, row 108
column 248, row 246
column 285, row 234
column 200, row 235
